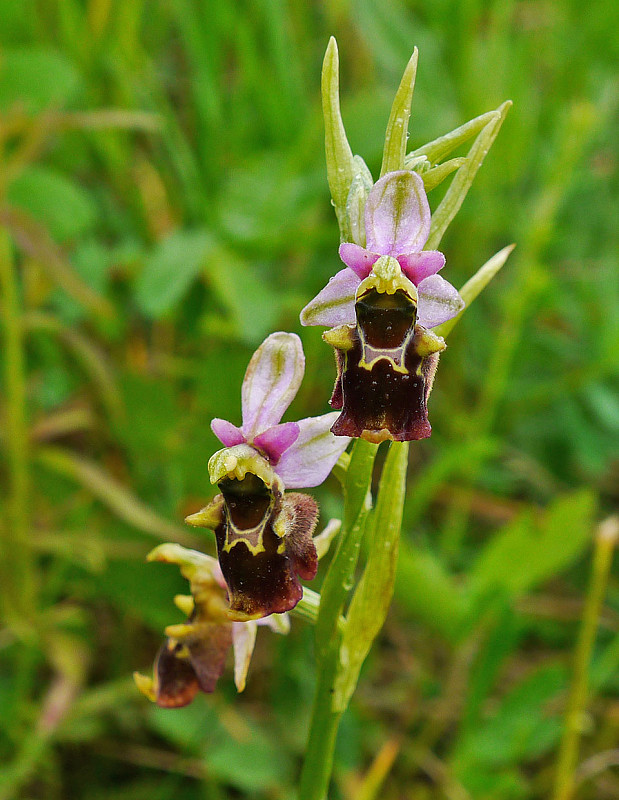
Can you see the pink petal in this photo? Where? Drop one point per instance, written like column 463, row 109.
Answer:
column 438, row 301
column 397, row 214
column 312, row 457
column 358, row 259
column 417, row 266
column 227, row 433
column 277, row 440
column 335, row 304
column 272, row 380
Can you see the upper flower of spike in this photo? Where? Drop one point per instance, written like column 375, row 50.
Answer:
column 301, row 453
column 397, row 224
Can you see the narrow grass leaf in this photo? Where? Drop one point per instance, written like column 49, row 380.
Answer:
column 111, row 493
column 92, row 360
column 34, row 239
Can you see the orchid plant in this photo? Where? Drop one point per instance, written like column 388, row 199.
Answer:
column 388, row 313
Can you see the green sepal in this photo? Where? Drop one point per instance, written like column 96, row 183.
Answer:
column 396, row 135
column 372, row 597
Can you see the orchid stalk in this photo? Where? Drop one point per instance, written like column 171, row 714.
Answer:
column 384, row 227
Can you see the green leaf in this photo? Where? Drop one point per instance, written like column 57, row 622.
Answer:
column 36, row 78
column 526, row 553
column 251, row 303
column 255, row 763
column 450, row 204
column 188, row 727
column 340, row 167
column 501, row 634
column 372, row 597
column 169, row 270
column 249, row 759
column 424, row 589
column 145, row 591
column 338, row 580
column 437, row 149
column 60, row 204
column 397, row 127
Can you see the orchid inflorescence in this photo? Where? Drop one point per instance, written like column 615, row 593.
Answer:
column 384, row 312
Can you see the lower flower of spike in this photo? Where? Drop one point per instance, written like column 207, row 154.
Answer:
column 193, row 656
column 386, row 364
column 264, row 537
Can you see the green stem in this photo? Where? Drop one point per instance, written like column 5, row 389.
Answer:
column 605, row 542
column 18, row 586
column 318, row 763
column 337, row 584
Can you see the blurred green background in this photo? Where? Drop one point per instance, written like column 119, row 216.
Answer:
column 163, row 207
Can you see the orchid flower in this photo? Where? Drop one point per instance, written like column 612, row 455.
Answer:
column 193, row 656
column 264, row 536
column 397, row 224
column 383, row 303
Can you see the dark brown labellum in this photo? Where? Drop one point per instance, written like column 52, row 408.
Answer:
column 264, row 543
column 384, row 383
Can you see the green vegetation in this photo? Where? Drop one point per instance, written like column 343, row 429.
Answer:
column 164, row 206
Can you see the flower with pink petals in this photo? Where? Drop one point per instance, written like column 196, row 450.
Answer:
column 264, row 535
column 383, row 305
column 397, row 224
